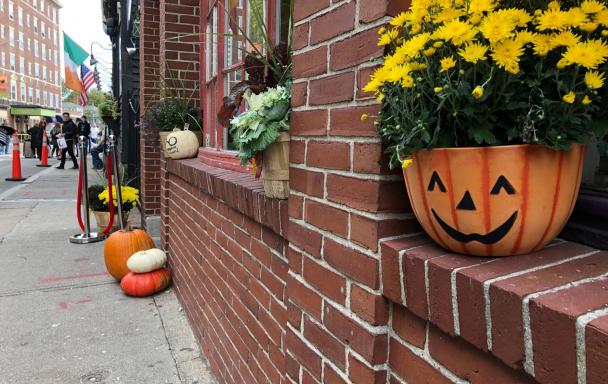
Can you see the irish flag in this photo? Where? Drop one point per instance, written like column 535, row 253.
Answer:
column 74, row 56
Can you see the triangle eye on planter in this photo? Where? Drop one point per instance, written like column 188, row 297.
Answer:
column 502, row 183
column 435, row 180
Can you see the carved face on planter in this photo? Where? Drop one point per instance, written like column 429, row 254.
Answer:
column 494, row 201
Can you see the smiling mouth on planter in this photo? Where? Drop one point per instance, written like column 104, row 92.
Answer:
column 489, row 238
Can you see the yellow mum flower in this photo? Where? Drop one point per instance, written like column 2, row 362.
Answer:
column 552, row 20
column 586, row 100
column 594, row 80
column 388, row 37
column 576, row 17
column 407, row 163
column 569, row 98
column 456, row 31
column 473, row 52
column 429, row 52
column 415, row 29
column 525, row 37
column 364, row 117
column 543, row 44
column 496, row 27
column 438, row 44
column 447, row 63
column 589, row 54
column 480, row 6
column 506, row 54
column 589, row 27
column 601, row 18
column 412, row 47
column 565, row 38
column 438, row 89
column 519, row 16
column 477, row 92
column 399, row 20
column 592, row 6
column 407, row 81
column 554, row 5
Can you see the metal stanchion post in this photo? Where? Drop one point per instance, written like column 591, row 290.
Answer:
column 117, row 181
column 87, row 236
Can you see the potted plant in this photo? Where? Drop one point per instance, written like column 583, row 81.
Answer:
column 108, row 109
column 257, row 110
column 98, row 203
column 487, row 105
column 173, row 112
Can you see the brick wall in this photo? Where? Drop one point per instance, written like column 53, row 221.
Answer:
column 227, row 255
column 338, row 284
column 167, row 59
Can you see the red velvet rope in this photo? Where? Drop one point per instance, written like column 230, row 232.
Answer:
column 79, row 198
column 110, row 197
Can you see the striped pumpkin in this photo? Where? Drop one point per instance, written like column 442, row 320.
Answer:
column 494, row 201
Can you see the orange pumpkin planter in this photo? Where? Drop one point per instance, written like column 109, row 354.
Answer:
column 494, row 201
column 120, row 246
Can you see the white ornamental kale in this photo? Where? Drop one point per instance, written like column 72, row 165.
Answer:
column 258, row 127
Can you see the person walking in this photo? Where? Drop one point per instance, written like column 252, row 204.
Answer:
column 84, row 129
column 55, row 151
column 94, row 136
column 36, row 138
column 96, row 150
column 69, row 130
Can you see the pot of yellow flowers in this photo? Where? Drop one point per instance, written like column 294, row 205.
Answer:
column 99, row 204
column 487, row 105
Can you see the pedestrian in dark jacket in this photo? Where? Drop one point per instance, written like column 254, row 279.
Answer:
column 69, row 130
column 55, row 151
column 84, row 129
column 36, row 138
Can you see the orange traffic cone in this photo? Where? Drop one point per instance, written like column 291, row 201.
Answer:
column 16, row 161
column 44, row 156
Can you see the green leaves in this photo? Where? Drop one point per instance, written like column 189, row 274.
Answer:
column 254, row 130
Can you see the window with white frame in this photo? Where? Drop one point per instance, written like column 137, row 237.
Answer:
column 20, row 16
column 37, row 96
column 43, row 51
column 37, row 70
column 29, row 69
column 44, row 72
column 35, row 24
column 45, row 98
column 22, row 65
column 11, row 12
column 36, row 48
column 30, row 94
column 13, row 90
column 12, row 61
column 21, row 41
column 3, row 57
column 11, row 36
column 42, row 6
column 35, row 4
column 2, row 30
column 43, row 28
column 22, row 94
column 1, row 5
column 27, row 20
column 29, row 44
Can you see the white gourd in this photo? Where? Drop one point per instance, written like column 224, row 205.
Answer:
column 147, row 261
column 181, row 144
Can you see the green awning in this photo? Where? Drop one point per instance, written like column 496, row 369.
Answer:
column 25, row 111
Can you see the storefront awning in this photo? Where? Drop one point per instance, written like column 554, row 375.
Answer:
column 32, row 111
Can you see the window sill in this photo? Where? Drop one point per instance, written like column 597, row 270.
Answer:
column 239, row 190
column 526, row 310
column 221, row 159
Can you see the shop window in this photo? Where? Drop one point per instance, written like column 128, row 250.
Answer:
column 224, row 47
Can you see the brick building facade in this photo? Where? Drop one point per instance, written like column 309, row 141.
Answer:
column 337, row 284
column 29, row 58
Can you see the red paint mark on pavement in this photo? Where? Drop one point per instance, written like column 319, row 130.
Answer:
column 63, row 305
column 84, row 301
column 75, row 277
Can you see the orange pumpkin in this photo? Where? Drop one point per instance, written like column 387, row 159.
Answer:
column 120, row 246
column 145, row 284
column 494, row 201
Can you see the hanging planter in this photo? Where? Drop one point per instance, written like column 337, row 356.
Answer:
column 494, row 201
column 486, row 107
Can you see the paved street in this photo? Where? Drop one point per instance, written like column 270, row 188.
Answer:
column 64, row 319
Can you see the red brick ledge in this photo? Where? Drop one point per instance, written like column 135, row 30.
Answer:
column 239, row 191
column 544, row 313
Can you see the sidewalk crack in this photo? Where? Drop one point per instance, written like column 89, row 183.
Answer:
column 162, row 323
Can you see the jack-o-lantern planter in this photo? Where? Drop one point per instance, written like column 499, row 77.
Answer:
column 494, row 201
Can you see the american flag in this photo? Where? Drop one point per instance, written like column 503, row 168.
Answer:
column 88, row 80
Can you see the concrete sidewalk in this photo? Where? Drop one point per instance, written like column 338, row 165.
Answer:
column 64, row 319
